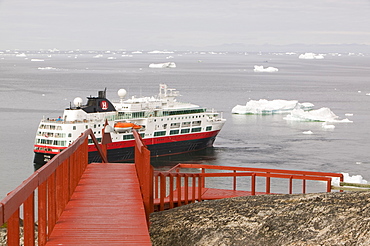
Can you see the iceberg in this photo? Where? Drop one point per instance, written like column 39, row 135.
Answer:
column 163, row 65
column 311, row 56
column 322, row 115
column 268, row 69
column 264, row 106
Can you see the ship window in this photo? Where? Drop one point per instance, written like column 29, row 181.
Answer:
column 209, row 128
column 196, row 129
column 74, row 127
column 127, row 137
column 175, row 125
column 173, row 132
column 161, row 133
column 185, row 124
column 196, row 123
column 185, row 130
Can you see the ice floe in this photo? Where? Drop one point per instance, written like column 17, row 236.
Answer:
column 163, row 65
column 37, row 60
column 323, row 115
column 46, row 68
column 358, row 179
column 311, row 56
column 307, row 132
column 160, row 52
column 262, row 69
column 264, row 106
column 327, row 126
column 21, row 55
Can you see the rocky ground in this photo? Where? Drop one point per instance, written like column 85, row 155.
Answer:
column 311, row 219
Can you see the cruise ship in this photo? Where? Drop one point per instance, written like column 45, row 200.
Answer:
column 166, row 126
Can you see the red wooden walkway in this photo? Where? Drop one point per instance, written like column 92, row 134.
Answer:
column 110, row 204
column 105, row 209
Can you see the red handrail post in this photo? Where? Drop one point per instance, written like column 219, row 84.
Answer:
column 203, row 182
column 328, row 185
column 171, row 189
column 200, row 186
column 234, row 180
column 42, row 214
column 162, row 192
column 291, row 185
column 253, row 184
column 178, row 188
column 29, row 220
column 51, row 203
column 13, row 229
column 193, row 185
column 186, row 183
column 268, row 183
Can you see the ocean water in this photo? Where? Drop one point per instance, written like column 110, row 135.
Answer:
column 37, row 85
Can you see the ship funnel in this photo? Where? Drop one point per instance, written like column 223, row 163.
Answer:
column 102, row 94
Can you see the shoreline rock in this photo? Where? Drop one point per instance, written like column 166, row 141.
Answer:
column 305, row 219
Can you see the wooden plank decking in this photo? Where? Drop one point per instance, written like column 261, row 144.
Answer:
column 106, row 209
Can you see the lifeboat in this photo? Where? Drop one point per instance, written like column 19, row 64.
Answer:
column 125, row 126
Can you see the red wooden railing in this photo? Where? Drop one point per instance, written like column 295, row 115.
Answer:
column 52, row 186
column 145, row 174
column 172, row 188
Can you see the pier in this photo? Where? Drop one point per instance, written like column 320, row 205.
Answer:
column 76, row 203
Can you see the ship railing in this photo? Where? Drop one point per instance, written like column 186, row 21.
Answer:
column 189, row 183
column 46, row 191
column 61, row 121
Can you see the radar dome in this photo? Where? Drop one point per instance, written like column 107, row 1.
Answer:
column 122, row 93
column 77, row 101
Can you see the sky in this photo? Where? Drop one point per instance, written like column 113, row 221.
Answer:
column 161, row 24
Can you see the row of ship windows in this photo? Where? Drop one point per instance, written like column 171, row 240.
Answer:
column 183, row 118
column 126, row 137
column 162, row 133
column 50, row 127
column 129, row 115
column 62, row 143
column 48, row 149
column 52, row 134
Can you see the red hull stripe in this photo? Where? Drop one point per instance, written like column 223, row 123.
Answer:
column 159, row 140
column 147, row 141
